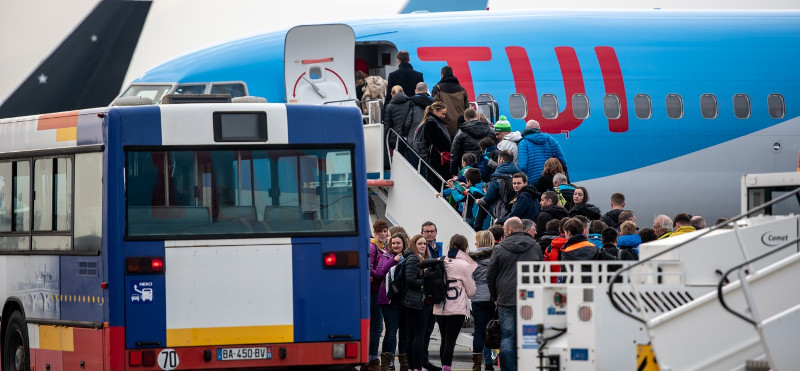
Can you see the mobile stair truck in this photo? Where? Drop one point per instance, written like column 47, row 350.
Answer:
column 720, row 298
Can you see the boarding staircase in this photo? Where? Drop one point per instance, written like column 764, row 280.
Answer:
column 406, row 198
column 747, row 322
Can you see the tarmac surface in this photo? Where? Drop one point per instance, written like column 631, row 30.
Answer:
column 462, row 355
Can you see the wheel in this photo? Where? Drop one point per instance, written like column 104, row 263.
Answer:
column 16, row 354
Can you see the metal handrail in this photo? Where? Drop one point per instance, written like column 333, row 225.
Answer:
column 714, row 228
column 441, row 189
column 724, row 279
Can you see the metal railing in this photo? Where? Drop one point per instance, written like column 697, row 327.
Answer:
column 714, row 228
column 421, row 161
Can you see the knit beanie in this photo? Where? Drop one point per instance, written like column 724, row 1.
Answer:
column 502, row 125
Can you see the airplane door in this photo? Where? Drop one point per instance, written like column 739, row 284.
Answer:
column 319, row 64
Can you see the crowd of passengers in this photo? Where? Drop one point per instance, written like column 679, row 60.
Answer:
column 513, row 189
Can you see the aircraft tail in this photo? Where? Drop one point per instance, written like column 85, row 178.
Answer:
column 88, row 68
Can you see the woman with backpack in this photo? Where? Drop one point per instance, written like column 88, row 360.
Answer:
column 438, row 138
column 413, row 313
column 456, row 307
column 391, row 308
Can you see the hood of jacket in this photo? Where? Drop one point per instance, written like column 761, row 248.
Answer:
column 530, row 191
column 465, row 257
column 513, row 136
column 534, row 135
column 399, row 98
column 450, row 79
column 518, row 242
column 629, row 240
column 556, row 211
column 482, row 253
column 422, row 100
column 476, row 129
column 506, row 168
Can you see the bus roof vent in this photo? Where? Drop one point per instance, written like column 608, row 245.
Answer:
column 196, row 98
column 248, row 99
column 132, row 101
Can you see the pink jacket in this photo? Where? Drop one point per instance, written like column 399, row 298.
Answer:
column 461, row 287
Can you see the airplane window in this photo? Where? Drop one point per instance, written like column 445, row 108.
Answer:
column 674, row 106
column 643, row 106
column 234, row 89
column 611, row 106
column 741, row 106
column 549, row 106
column 708, row 106
column 776, row 105
column 580, row 106
column 517, row 106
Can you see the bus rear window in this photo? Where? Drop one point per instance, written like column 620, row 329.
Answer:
column 225, row 193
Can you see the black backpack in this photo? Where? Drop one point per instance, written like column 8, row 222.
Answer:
column 396, row 281
column 434, row 281
column 506, row 194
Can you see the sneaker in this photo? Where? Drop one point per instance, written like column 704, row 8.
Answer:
column 431, row 367
column 489, row 368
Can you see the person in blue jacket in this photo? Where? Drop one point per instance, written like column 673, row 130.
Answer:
column 534, row 149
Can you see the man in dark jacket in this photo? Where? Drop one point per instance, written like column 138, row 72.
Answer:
column 405, row 76
column 466, row 140
column 501, row 277
column 611, row 218
column 526, row 204
column 395, row 117
column 416, row 108
column 453, row 95
column 550, row 210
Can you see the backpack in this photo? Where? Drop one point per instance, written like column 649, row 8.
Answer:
column 506, row 193
column 418, row 142
column 396, row 281
column 434, row 282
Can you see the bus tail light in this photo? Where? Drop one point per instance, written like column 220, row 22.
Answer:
column 145, row 358
column 348, row 350
column 351, row 350
column 144, row 264
column 340, row 259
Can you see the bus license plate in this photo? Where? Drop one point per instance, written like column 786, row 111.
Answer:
column 236, row 354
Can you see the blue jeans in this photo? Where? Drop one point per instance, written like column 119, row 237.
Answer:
column 375, row 325
column 483, row 311
column 508, row 337
column 391, row 320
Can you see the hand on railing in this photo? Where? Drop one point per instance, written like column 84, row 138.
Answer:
column 400, row 140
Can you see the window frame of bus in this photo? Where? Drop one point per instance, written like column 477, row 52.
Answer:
column 261, row 126
column 349, row 147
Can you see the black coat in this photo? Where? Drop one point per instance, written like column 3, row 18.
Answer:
column 413, row 274
column 549, row 213
column 394, row 118
column 406, row 77
column 545, row 183
column 416, row 111
column 588, row 210
column 436, row 135
column 466, row 141
column 611, row 218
